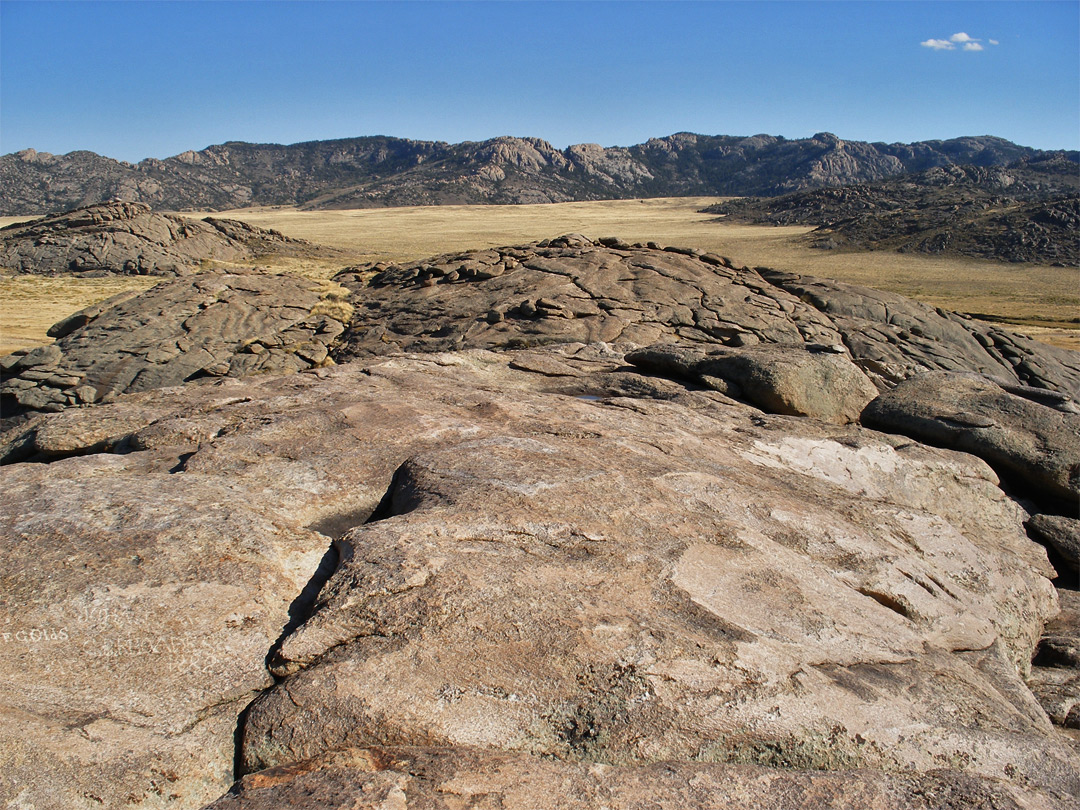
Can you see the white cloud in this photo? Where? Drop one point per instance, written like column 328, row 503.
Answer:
column 968, row 43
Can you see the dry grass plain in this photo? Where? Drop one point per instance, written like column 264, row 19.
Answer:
column 1041, row 301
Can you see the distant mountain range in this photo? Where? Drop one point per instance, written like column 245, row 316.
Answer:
column 381, row 171
column 1028, row 211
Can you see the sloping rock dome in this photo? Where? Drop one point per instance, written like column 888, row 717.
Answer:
column 128, row 238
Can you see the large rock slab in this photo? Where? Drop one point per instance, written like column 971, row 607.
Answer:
column 559, row 291
column 1037, row 444
column 534, row 564
column 800, row 380
column 128, row 238
column 210, row 325
column 136, row 617
column 723, row 632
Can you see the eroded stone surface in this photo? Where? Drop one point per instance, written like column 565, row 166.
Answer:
column 563, row 290
column 573, row 288
column 539, row 551
column 621, row 579
column 1060, row 533
column 214, row 324
column 1055, row 674
column 894, row 338
column 800, row 380
column 137, row 611
column 1037, row 444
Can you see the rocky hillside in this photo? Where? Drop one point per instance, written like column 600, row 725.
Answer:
column 576, row 523
column 1025, row 212
column 379, row 171
column 128, row 238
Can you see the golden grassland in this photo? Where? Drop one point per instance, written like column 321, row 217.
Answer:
column 1041, row 301
column 5, row 221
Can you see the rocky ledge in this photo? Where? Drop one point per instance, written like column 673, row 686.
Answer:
column 656, row 562
column 128, row 238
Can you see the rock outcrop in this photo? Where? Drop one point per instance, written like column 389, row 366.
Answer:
column 580, row 522
column 566, row 289
column 213, row 324
column 1021, row 436
column 379, row 171
column 128, row 238
column 573, row 288
column 801, row 380
column 1062, row 534
column 570, row 581
column 440, row 778
column 1055, row 671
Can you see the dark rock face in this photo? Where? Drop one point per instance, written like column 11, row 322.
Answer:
column 379, row 171
column 1043, row 232
column 1055, row 671
column 1060, row 533
column 1025, row 212
column 127, row 238
column 209, row 325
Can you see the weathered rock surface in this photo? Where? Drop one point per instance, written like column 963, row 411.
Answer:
column 573, row 288
column 1060, row 533
column 439, row 575
column 624, row 579
column 658, row 636
column 378, row 778
column 1037, row 444
column 1055, row 674
column 212, row 324
column 566, row 289
column 128, row 238
column 892, row 338
column 136, row 615
column 800, row 380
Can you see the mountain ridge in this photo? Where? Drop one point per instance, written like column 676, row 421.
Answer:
column 377, row 171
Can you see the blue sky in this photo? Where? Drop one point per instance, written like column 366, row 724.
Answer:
column 151, row 79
